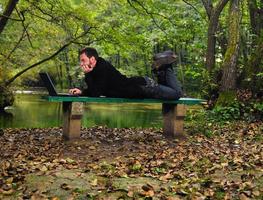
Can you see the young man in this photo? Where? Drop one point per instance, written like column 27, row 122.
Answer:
column 103, row 79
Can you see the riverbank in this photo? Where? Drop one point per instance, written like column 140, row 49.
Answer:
column 109, row 163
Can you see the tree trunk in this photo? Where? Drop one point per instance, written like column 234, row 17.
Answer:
column 7, row 13
column 255, row 67
column 211, row 43
column 255, row 17
column 213, row 15
column 67, row 65
column 228, row 82
column 254, row 63
column 222, row 39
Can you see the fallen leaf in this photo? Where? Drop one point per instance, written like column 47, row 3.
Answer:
column 130, row 194
column 149, row 193
column 43, row 169
column 243, row 197
column 94, row 182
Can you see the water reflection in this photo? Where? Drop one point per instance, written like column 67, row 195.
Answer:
column 30, row 111
column 6, row 119
column 122, row 115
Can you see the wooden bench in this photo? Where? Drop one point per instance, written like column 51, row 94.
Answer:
column 173, row 112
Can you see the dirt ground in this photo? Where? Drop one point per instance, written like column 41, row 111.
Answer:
column 131, row 163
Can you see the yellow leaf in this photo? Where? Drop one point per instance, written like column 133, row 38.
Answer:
column 92, row 148
column 8, row 192
column 9, row 180
column 94, row 182
column 43, row 169
column 256, row 193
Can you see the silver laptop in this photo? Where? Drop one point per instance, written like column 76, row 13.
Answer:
column 50, row 86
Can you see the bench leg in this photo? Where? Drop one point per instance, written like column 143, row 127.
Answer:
column 173, row 116
column 72, row 114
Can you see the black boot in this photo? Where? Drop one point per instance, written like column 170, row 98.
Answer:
column 164, row 59
column 161, row 77
column 160, row 74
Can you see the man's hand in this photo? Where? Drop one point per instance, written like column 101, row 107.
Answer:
column 75, row 91
column 86, row 68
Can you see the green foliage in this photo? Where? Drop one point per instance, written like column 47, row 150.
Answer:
column 226, row 98
column 237, row 111
column 127, row 33
column 227, row 113
column 117, row 29
column 135, row 168
column 202, row 121
column 199, row 122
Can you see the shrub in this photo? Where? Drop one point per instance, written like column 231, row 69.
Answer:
column 203, row 121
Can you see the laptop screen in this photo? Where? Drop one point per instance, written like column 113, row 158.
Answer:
column 48, row 83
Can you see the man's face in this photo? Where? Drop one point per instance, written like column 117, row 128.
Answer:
column 87, row 64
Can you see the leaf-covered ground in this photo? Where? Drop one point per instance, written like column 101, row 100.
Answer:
column 132, row 164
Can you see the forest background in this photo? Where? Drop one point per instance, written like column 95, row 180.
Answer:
column 219, row 43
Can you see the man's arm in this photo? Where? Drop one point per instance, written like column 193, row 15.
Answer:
column 85, row 92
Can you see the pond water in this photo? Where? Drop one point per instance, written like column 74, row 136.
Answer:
column 31, row 111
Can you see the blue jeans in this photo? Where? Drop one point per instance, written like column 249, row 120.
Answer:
column 170, row 90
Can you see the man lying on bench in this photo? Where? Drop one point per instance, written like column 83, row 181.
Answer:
column 103, row 79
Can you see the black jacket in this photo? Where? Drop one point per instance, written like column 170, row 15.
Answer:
column 105, row 80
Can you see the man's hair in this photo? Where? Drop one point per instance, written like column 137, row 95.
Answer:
column 89, row 52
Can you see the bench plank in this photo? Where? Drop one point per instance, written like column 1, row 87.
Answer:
column 186, row 101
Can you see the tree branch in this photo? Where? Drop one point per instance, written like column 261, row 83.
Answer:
column 20, row 39
column 149, row 13
column 196, row 10
column 45, row 59
column 44, row 12
column 21, row 16
column 208, row 7
column 219, row 7
column 14, row 19
column 7, row 13
column 11, row 61
column 40, row 17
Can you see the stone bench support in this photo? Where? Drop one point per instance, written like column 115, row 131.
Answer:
column 72, row 115
column 173, row 120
